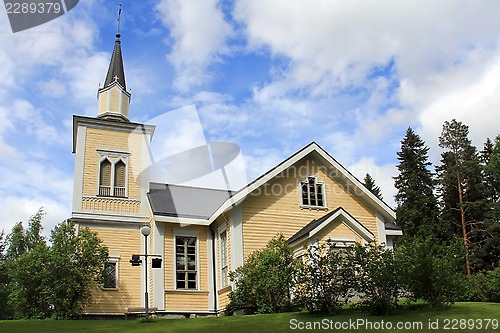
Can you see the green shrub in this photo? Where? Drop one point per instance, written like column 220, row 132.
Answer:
column 430, row 272
column 324, row 281
column 377, row 277
column 483, row 287
column 264, row 282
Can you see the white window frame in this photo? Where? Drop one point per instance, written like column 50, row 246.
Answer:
column 224, row 278
column 113, row 156
column 113, row 259
column 323, row 193
column 187, row 233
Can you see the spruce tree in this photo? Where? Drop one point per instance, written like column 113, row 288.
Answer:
column 417, row 209
column 461, row 186
column 369, row 183
column 487, row 250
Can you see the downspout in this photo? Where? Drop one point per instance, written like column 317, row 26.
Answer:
column 214, row 268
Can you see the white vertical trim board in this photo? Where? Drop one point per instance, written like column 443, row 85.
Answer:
column 210, row 260
column 236, row 234
column 78, row 171
column 382, row 239
column 159, row 273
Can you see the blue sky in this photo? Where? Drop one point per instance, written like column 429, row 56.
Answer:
column 269, row 75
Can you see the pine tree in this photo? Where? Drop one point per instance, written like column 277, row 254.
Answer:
column 417, row 209
column 369, row 183
column 461, row 185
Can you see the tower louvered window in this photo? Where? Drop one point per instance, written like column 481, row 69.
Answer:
column 119, row 186
column 105, row 178
column 113, row 176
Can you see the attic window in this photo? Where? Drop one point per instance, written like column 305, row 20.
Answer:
column 312, row 193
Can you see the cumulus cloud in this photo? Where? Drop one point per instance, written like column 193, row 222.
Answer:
column 198, row 32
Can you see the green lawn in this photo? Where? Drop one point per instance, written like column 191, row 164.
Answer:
column 474, row 314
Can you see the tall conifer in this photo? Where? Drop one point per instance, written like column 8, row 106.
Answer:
column 461, row 185
column 417, row 210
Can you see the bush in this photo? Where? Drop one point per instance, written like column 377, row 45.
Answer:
column 264, row 282
column 483, row 287
column 324, row 281
column 377, row 277
column 430, row 272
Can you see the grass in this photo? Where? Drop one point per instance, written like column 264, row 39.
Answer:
column 474, row 312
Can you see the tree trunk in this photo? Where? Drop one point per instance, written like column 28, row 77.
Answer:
column 464, row 224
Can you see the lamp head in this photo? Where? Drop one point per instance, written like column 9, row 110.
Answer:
column 145, row 230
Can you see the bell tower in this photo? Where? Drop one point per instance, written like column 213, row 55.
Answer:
column 114, row 99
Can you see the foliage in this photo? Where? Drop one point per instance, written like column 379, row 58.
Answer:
column 369, row 183
column 31, row 294
column 51, row 281
column 461, row 186
column 487, row 248
column 417, row 208
column 77, row 259
column 5, row 310
column 264, row 282
column 429, row 271
column 377, row 274
column 484, row 287
column 324, row 282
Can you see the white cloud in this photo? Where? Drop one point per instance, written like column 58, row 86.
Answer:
column 199, row 34
column 382, row 175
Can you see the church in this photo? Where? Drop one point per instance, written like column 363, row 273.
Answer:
column 200, row 233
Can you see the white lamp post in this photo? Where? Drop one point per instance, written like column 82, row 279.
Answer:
column 146, row 230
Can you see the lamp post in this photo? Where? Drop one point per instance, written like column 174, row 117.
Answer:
column 146, row 230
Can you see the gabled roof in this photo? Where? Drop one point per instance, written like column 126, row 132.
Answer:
column 315, row 226
column 185, row 201
column 336, row 170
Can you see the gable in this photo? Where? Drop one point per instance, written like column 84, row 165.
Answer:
column 330, row 166
column 319, row 228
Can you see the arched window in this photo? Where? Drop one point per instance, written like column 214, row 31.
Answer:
column 119, row 185
column 105, row 178
column 312, row 193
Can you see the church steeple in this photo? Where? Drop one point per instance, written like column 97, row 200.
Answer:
column 113, row 96
column 115, row 70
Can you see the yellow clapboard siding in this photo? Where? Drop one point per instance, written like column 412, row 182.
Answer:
column 276, row 209
column 224, row 297
column 98, row 138
column 176, row 298
column 337, row 229
column 122, row 242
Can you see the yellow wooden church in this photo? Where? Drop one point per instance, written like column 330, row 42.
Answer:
column 200, row 241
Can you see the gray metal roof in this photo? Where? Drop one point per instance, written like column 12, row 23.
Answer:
column 185, row 201
column 392, row 226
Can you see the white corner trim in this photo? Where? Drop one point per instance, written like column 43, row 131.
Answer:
column 159, row 273
column 78, row 169
column 236, row 235
column 381, row 232
column 210, row 266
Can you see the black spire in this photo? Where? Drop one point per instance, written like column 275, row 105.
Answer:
column 115, row 70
